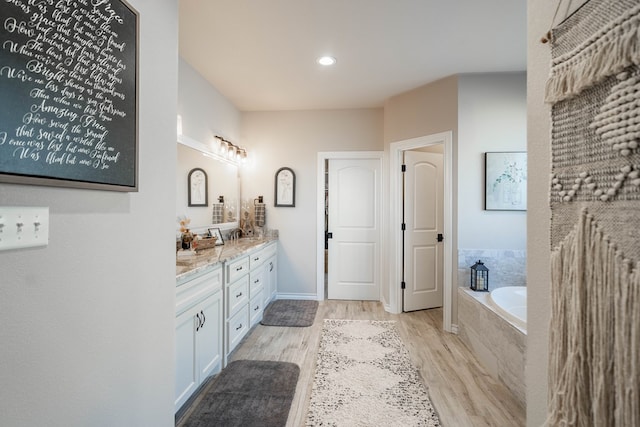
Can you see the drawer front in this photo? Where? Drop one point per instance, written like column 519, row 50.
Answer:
column 256, row 308
column 256, row 259
column 237, row 268
column 256, row 282
column 237, row 295
column 237, row 328
column 195, row 290
column 270, row 250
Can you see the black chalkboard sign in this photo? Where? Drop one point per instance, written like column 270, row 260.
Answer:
column 68, row 93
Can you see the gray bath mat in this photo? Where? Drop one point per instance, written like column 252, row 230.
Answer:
column 285, row 312
column 248, row 393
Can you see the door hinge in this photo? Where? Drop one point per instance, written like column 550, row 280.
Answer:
column 403, row 285
column 403, row 168
column 440, row 237
column 403, row 226
column 329, row 235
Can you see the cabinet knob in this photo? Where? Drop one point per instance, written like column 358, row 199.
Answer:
column 204, row 318
column 239, row 327
column 257, row 308
column 199, row 322
column 239, row 268
column 239, row 295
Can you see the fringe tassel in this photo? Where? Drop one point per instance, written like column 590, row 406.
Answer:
column 614, row 49
column 594, row 365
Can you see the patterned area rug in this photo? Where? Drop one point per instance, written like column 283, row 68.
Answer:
column 291, row 313
column 594, row 89
column 364, row 377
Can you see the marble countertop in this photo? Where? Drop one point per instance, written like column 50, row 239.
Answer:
column 206, row 258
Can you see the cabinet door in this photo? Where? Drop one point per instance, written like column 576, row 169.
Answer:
column 186, row 370
column 270, row 279
column 209, row 337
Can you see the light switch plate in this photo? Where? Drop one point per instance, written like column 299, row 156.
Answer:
column 23, row 227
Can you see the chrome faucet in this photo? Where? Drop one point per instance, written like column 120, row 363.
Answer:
column 234, row 234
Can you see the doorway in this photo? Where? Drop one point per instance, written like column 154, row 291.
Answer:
column 350, row 225
column 396, row 153
column 423, row 228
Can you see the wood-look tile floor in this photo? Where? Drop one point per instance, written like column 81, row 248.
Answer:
column 462, row 392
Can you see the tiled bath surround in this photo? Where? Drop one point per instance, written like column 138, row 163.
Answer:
column 499, row 345
column 506, row 267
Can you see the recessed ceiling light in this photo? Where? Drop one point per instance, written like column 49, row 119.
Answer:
column 326, row 60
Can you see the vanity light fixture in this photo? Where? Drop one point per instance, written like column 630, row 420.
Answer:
column 326, row 60
column 231, row 151
column 210, row 150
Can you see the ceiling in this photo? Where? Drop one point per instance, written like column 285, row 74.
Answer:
column 261, row 54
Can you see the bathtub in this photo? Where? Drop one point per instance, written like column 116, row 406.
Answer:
column 511, row 303
column 493, row 326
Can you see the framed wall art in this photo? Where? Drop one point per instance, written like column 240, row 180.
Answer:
column 198, row 187
column 285, row 188
column 69, row 116
column 505, row 181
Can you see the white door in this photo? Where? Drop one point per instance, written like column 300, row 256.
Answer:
column 355, row 229
column 424, row 222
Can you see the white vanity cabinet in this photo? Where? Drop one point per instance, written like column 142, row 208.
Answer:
column 270, row 268
column 236, row 302
column 249, row 285
column 199, row 321
column 256, row 285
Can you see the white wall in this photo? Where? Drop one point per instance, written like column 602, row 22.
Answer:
column 293, row 139
column 205, row 112
column 539, row 16
column 492, row 116
column 426, row 110
column 87, row 329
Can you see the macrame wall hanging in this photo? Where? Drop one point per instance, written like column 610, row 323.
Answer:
column 594, row 89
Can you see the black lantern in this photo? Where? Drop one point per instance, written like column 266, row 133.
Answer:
column 479, row 277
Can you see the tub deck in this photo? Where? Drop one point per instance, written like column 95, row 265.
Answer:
column 497, row 342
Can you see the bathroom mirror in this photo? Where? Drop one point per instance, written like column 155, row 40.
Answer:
column 223, row 188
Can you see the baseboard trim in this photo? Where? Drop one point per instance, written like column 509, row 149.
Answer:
column 298, row 296
column 454, row 328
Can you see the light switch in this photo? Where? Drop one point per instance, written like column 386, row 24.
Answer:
column 23, row 227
